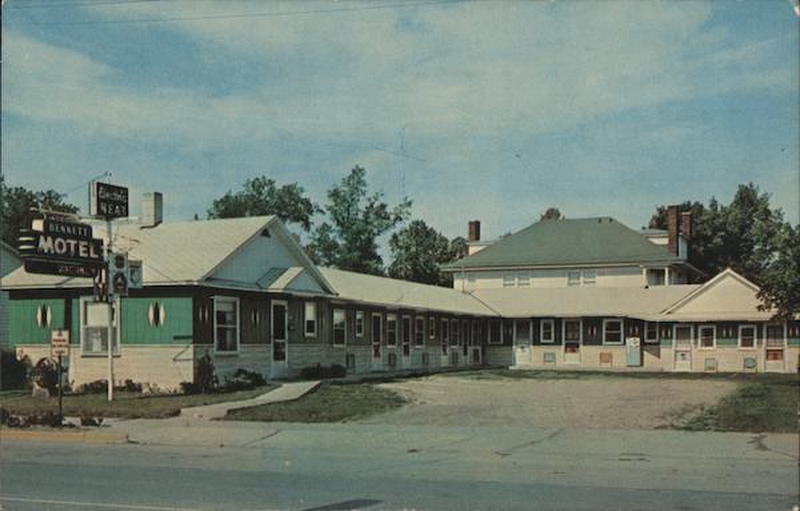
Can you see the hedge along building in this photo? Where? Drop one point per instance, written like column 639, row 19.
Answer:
column 245, row 293
column 592, row 293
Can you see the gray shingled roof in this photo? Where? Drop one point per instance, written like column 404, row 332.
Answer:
column 571, row 241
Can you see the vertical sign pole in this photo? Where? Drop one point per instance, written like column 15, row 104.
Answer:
column 110, row 297
column 60, row 390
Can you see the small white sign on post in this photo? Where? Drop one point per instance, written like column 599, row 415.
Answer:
column 59, row 343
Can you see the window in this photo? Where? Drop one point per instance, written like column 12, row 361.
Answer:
column 508, row 331
column 339, row 327
column 573, row 278
column 774, row 336
column 432, row 327
column 656, row 276
column 359, row 323
column 707, row 336
column 454, row 332
column 572, row 330
column 747, row 336
column 391, row 329
column 651, row 332
column 523, row 279
column 509, row 280
column 419, row 332
column 226, row 324
column 547, row 331
column 406, row 330
column 612, row 331
column 311, row 319
column 589, row 277
column 94, row 339
column 495, row 331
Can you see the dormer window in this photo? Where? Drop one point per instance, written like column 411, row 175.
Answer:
column 656, row 276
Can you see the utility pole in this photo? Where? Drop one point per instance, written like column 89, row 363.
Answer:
column 110, row 298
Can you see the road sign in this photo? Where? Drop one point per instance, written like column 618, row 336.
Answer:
column 119, row 274
column 108, row 201
column 59, row 343
column 135, row 276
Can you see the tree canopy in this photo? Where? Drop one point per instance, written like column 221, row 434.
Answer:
column 16, row 206
column 748, row 236
column 261, row 196
column 418, row 251
column 356, row 219
column 551, row 214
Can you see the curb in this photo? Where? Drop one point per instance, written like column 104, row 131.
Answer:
column 79, row 437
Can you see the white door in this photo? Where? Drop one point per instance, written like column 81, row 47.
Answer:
column 280, row 339
column 522, row 342
column 683, row 348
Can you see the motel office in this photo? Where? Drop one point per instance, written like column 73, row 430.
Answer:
column 562, row 294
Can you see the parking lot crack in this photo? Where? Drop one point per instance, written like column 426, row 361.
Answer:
column 510, row 450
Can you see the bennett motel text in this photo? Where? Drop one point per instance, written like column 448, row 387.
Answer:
column 68, row 247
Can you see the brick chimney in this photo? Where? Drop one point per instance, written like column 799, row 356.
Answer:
column 474, row 230
column 687, row 224
column 672, row 230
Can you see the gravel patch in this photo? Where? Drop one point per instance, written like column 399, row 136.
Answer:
column 597, row 402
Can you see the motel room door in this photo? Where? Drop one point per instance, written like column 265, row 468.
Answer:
column 280, row 339
column 522, row 342
column 683, row 348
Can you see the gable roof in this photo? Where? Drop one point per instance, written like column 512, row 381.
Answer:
column 727, row 296
column 176, row 253
column 599, row 240
column 371, row 289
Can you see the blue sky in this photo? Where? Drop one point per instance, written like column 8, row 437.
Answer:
column 476, row 110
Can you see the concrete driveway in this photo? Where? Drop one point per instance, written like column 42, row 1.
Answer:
column 605, row 402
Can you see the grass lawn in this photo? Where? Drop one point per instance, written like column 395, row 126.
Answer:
column 125, row 404
column 329, row 403
column 756, row 406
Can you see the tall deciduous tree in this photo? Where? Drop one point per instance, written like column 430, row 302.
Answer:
column 780, row 282
column 261, row 196
column 746, row 235
column 16, row 204
column 418, row 251
column 551, row 214
column 356, row 220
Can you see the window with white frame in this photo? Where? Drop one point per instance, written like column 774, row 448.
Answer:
column 747, row 336
column 547, row 331
column 708, row 336
column 656, row 276
column 391, row 329
column 651, row 332
column 94, row 331
column 339, row 327
column 359, row 323
column 523, row 279
column 419, row 331
column 509, row 280
column 589, row 277
column 226, row 324
column 432, row 327
column 573, row 278
column 612, row 331
column 310, row 322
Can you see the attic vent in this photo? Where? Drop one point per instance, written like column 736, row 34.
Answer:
column 265, row 233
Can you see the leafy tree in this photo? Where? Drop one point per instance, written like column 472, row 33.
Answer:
column 261, row 196
column 458, row 248
column 357, row 220
column 418, row 251
column 780, row 282
column 16, row 206
column 551, row 214
column 748, row 236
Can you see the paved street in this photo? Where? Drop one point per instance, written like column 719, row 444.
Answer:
column 348, row 466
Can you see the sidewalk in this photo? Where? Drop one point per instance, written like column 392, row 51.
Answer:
column 286, row 392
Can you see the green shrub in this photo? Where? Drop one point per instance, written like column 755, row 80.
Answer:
column 320, row 372
column 205, row 375
column 45, row 375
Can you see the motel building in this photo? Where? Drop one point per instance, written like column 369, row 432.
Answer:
column 562, row 294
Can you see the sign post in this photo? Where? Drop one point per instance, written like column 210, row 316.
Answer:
column 59, row 346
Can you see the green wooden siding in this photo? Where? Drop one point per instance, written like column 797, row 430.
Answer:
column 176, row 329
column 23, row 328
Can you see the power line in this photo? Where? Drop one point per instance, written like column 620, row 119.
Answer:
column 398, row 5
